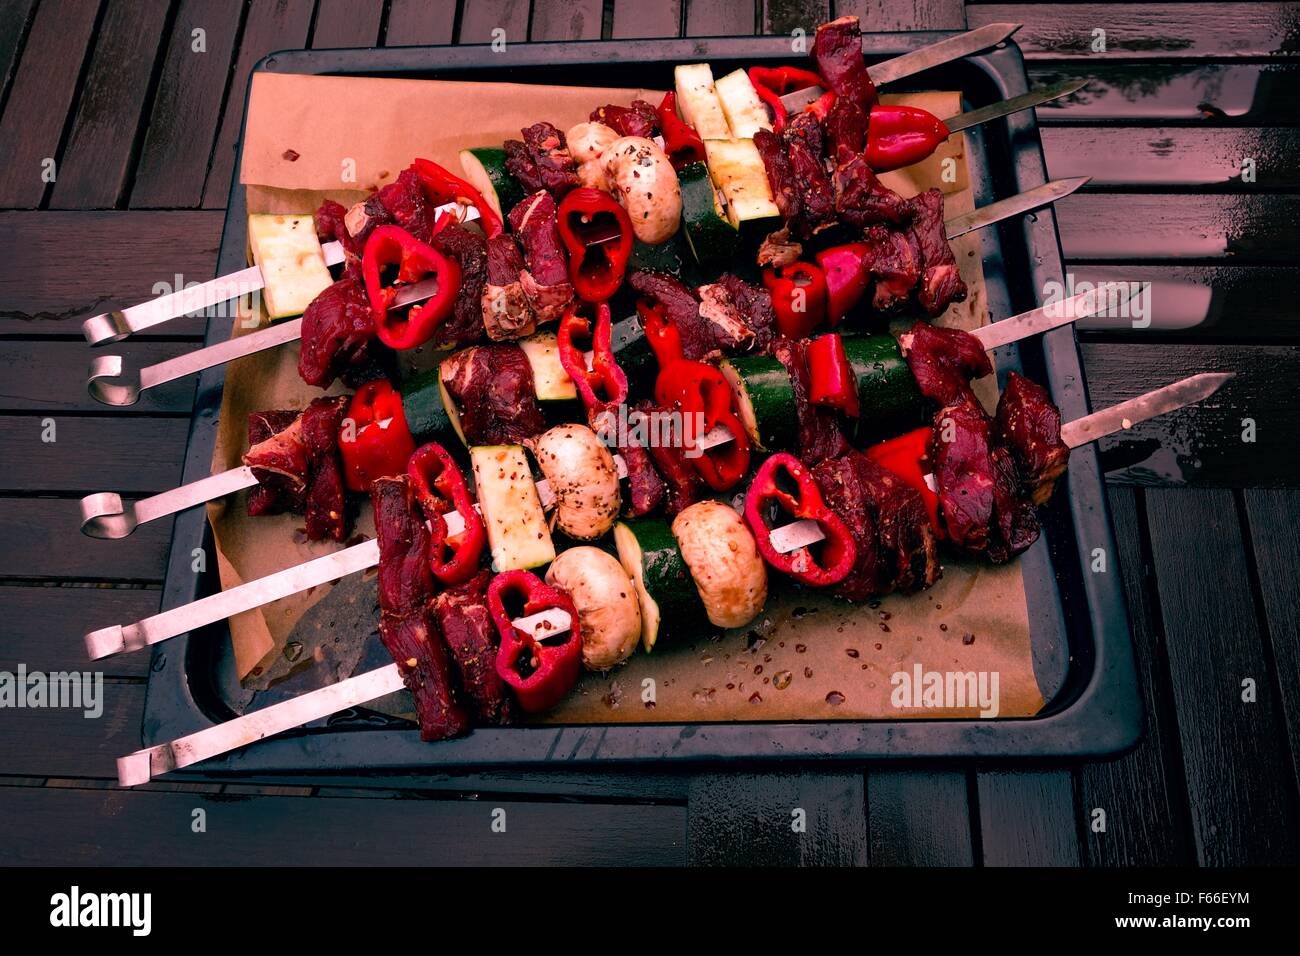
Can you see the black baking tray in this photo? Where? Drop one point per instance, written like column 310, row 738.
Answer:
column 1078, row 620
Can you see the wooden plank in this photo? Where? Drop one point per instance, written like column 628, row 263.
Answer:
column 87, row 827
column 786, row 16
column 751, row 819
column 1147, row 30
column 49, row 376
column 15, row 16
column 1240, row 781
column 567, row 20
column 636, row 18
column 122, row 256
column 133, row 455
column 53, row 549
column 712, row 18
column 1259, row 94
column 346, row 23
column 918, row 818
column 269, row 26
column 187, row 107
column 45, row 626
column 1027, row 818
column 887, row 16
column 65, row 742
column 96, row 162
column 42, row 94
column 479, row 19
column 1276, row 549
column 1202, row 444
column 418, row 22
column 1142, row 157
column 1141, row 793
column 1244, row 228
column 1215, row 303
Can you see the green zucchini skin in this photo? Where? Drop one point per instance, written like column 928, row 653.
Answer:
column 425, row 415
column 508, row 189
column 771, row 396
column 711, row 236
column 666, row 576
column 890, row 402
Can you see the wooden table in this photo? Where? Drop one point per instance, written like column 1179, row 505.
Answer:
column 137, row 105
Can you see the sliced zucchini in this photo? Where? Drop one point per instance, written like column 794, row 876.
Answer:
column 745, row 112
column 764, row 401
column 289, row 255
column 485, row 169
column 512, row 513
column 697, row 98
column 664, row 587
column 887, row 394
column 550, row 380
column 712, row 237
column 449, row 404
column 738, row 172
column 425, row 403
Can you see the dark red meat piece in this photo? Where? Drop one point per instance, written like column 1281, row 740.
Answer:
column 337, row 330
column 780, row 175
column 408, row 205
column 682, row 482
column 546, row 280
column 275, row 494
column 803, row 144
column 493, row 386
column 639, row 119
column 506, row 312
column 542, row 160
column 281, row 461
column 962, row 464
column 889, row 523
column 820, row 436
column 697, row 334
column 413, row 642
column 846, row 130
column 646, row 490
column 944, row 361
column 405, row 580
column 1029, row 426
column 469, row 249
column 504, row 260
column 755, row 306
column 1015, row 523
column 326, row 507
column 837, row 50
column 320, row 425
column 863, row 200
column 466, row 625
column 895, row 266
column 941, row 282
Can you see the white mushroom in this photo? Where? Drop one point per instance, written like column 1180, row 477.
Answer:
column 608, row 612
column 724, row 562
column 583, row 478
column 641, row 176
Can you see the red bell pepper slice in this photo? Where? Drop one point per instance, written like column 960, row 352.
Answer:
column 660, row 331
column 798, row 297
column 899, row 136
column 906, row 457
column 772, row 83
column 848, row 276
column 444, row 187
column 682, row 144
column 831, row 379
column 374, row 439
column 540, row 674
column 440, row 488
column 597, row 232
column 390, row 246
column 695, row 389
column 604, row 385
column 838, row 552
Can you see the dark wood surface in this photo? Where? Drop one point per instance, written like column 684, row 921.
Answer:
column 143, row 130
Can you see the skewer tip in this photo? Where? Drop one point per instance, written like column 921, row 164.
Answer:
column 134, row 769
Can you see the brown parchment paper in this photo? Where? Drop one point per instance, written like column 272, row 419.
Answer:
column 807, row 656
